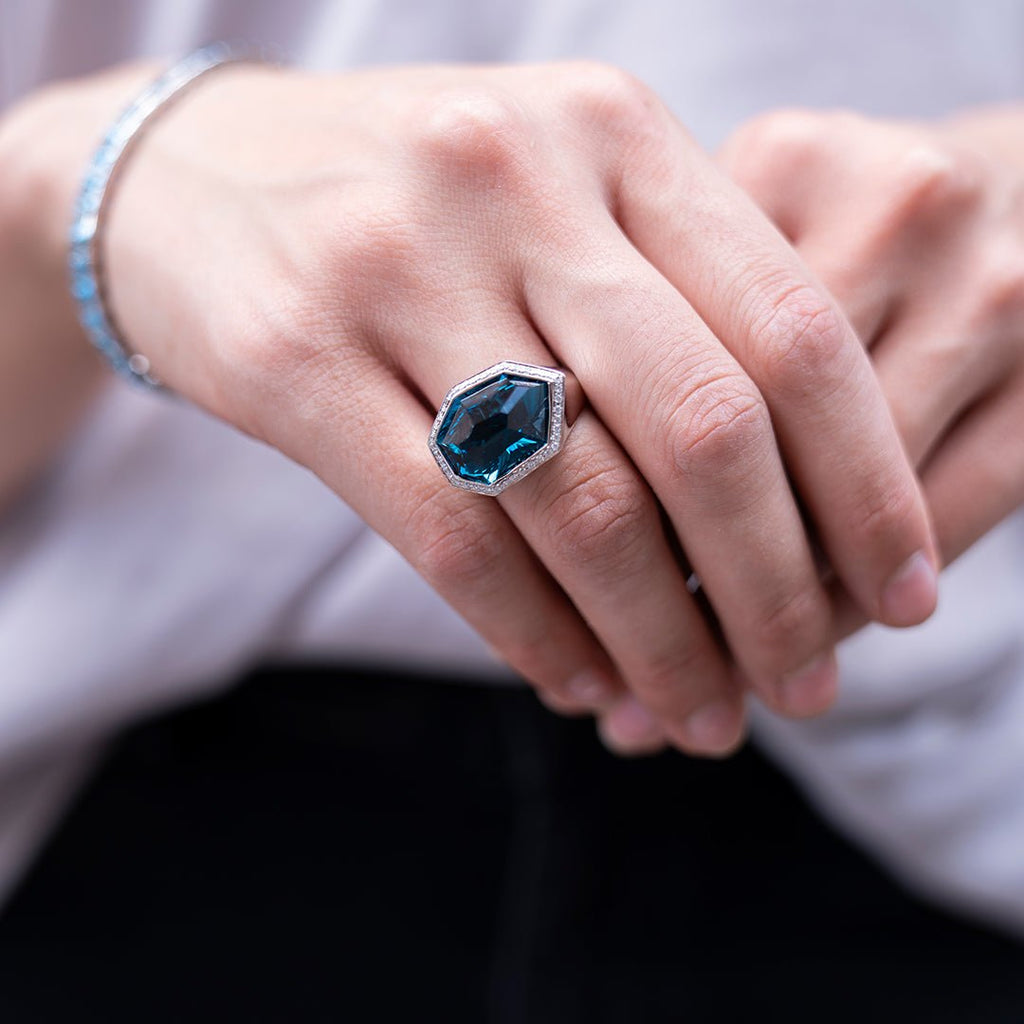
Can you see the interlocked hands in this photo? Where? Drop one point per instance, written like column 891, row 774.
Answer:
column 318, row 259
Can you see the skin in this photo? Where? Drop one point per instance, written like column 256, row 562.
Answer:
column 317, row 260
column 918, row 231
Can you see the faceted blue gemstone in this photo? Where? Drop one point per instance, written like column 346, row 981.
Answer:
column 83, row 286
column 490, row 430
column 84, row 228
column 92, row 316
column 80, row 257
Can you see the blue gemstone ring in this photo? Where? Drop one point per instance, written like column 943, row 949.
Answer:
column 499, row 425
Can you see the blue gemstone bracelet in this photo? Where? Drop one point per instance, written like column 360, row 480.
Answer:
column 84, row 258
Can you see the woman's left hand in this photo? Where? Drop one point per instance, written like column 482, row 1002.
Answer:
column 918, row 231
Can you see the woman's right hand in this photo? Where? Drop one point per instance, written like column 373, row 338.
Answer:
column 317, row 260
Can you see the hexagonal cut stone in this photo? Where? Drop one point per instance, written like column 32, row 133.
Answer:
column 490, row 430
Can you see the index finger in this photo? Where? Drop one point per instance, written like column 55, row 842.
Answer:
column 834, row 428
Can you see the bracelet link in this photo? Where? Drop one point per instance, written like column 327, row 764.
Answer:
column 85, row 264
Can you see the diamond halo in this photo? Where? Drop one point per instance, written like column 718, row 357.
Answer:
column 516, row 373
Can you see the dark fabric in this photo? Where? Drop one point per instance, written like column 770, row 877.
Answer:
column 319, row 846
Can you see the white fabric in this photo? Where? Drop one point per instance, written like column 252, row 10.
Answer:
column 166, row 551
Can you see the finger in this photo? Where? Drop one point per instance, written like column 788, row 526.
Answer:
column 779, row 160
column 833, row 425
column 465, row 548
column 873, row 257
column 983, row 455
column 629, row 730
column 626, row 729
column 862, row 276
column 866, row 287
column 594, row 524
column 960, row 438
column 933, row 364
column 699, row 433
column 566, row 708
column 868, row 208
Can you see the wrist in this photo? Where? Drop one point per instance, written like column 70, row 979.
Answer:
column 45, row 144
column 173, row 212
column 48, row 371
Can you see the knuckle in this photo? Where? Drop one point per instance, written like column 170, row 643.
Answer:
column 777, row 144
column 606, row 95
column 673, row 682
column 883, row 514
column 799, row 337
column 1002, row 286
column 787, row 626
column 601, row 520
column 931, row 180
column 474, row 135
column 632, row 132
column 459, row 550
column 719, row 426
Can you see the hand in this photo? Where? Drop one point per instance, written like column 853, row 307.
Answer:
column 918, row 231
column 317, row 260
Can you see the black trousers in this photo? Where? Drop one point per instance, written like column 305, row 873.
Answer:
column 323, row 846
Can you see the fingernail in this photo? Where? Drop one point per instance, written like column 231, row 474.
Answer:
column 715, row 728
column 811, row 689
column 911, row 594
column 590, row 687
column 629, row 728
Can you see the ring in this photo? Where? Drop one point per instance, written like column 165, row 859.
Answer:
column 499, row 425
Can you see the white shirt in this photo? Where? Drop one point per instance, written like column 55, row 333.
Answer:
column 166, row 552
